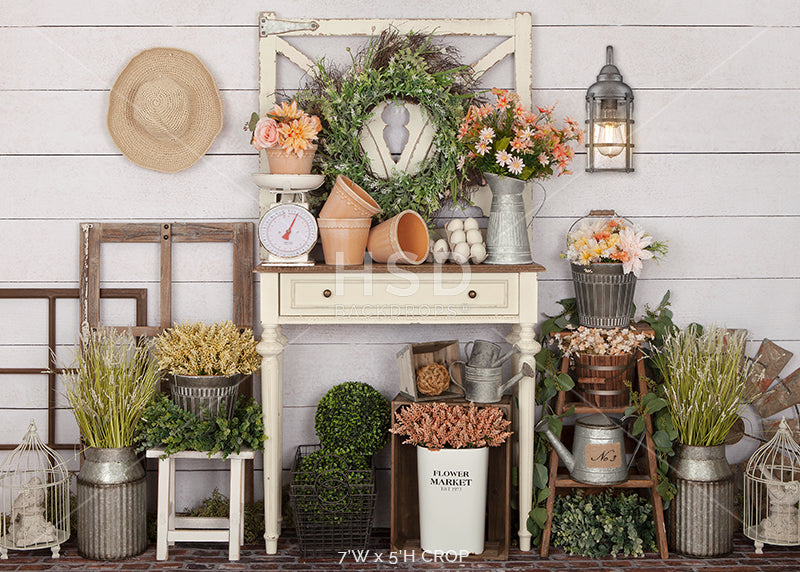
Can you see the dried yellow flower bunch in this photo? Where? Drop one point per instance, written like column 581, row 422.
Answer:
column 199, row 349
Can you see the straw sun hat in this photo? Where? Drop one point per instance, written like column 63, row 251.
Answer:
column 164, row 110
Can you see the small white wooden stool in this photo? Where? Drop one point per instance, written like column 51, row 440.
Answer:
column 173, row 528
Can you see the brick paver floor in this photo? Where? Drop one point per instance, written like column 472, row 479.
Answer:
column 191, row 556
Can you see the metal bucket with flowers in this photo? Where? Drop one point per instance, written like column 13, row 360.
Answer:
column 606, row 253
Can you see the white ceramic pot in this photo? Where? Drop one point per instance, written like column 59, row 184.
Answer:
column 452, row 499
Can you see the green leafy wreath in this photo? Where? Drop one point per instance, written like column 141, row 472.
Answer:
column 393, row 66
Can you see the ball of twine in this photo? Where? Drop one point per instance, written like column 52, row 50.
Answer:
column 433, row 379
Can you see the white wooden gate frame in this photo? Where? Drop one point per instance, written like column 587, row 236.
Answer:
column 516, row 30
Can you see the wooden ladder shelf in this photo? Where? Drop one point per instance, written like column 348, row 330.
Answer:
column 649, row 480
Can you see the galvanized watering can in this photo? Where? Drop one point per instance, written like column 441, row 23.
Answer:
column 598, row 456
column 486, row 354
column 485, row 384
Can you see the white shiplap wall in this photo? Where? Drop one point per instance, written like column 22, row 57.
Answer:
column 717, row 165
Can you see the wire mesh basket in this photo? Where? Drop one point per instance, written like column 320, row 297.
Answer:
column 213, row 395
column 332, row 500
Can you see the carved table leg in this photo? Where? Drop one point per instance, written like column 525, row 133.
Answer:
column 271, row 349
column 525, row 338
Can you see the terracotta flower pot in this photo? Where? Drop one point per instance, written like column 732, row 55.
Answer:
column 344, row 240
column 348, row 200
column 402, row 239
column 283, row 162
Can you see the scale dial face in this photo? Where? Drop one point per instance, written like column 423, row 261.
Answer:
column 287, row 230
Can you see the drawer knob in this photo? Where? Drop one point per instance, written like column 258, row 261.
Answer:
column 472, row 294
column 327, row 293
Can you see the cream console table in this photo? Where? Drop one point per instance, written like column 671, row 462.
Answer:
column 371, row 294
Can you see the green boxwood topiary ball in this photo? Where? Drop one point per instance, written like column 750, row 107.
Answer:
column 353, row 419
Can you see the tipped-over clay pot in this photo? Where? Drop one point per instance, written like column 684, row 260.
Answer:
column 344, row 240
column 348, row 200
column 403, row 239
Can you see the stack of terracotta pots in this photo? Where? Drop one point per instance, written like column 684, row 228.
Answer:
column 344, row 223
column 344, row 226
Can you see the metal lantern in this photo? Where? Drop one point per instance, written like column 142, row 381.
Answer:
column 772, row 492
column 609, row 109
column 34, row 498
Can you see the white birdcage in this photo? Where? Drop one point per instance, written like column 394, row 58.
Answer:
column 34, row 498
column 772, row 492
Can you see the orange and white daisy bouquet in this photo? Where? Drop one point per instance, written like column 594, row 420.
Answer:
column 506, row 139
column 612, row 240
column 287, row 126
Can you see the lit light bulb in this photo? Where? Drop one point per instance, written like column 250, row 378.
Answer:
column 610, row 134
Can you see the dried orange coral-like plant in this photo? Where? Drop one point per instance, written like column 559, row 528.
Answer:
column 445, row 426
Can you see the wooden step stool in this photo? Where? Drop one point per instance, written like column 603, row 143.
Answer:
column 173, row 528
column 647, row 481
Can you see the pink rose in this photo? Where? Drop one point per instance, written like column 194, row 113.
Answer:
column 265, row 134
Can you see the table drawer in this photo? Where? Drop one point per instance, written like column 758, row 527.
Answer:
column 396, row 295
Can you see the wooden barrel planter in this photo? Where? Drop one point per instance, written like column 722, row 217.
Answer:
column 602, row 378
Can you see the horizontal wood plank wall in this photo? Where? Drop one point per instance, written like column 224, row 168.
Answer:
column 717, row 164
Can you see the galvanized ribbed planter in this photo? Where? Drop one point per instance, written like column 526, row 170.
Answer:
column 201, row 394
column 701, row 516
column 604, row 294
column 112, row 505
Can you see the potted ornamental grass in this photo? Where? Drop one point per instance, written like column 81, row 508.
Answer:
column 286, row 135
column 206, row 364
column 114, row 379
column 606, row 253
column 452, row 444
column 704, row 380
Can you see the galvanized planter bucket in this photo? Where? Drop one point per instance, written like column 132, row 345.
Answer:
column 604, row 294
column 112, row 505
column 701, row 516
column 214, row 395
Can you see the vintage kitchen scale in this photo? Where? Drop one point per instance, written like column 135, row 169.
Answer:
column 287, row 230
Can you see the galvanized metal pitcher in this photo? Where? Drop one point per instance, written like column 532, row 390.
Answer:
column 507, row 234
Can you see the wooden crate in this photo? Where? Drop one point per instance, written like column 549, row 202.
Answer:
column 405, row 496
column 415, row 356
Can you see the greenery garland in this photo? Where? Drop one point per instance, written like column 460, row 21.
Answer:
column 167, row 426
column 408, row 67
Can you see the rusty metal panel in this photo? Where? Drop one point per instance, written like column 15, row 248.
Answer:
column 785, row 393
column 767, row 365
